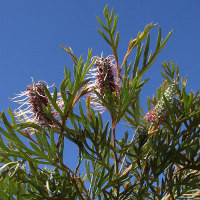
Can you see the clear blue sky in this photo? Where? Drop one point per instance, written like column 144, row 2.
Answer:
column 31, row 33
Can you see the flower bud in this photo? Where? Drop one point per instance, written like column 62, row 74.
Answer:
column 158, row 113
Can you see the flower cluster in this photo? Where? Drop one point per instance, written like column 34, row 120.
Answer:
column 157, row 114
column 103, row 75
column 32, row 101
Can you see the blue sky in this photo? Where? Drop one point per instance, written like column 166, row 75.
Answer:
column 32, row 32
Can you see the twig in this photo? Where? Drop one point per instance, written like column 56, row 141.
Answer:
column 114, row 145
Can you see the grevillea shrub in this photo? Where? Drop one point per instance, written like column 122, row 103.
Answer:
column 137, row 154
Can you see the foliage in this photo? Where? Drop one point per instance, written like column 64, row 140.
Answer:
column 158, row 160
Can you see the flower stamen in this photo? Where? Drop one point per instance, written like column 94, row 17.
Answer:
column 103, row 75
column 34, row 99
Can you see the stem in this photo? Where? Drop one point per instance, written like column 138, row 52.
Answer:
column 58, row 141
column 114, row 145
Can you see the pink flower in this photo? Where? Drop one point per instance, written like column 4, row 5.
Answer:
column 158, row 113
column 103, row 75
column 32, row 100
column 154, row 116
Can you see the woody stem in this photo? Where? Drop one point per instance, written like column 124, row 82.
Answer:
column 114, row 145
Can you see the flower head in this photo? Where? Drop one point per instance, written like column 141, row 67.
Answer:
column 32, row 101
column 155, row 116
column 158, row 113
column 103, row 75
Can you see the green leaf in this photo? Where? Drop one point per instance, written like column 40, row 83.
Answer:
column 87, row 167
column 111, row 16
column 87, row 66
column 116, row 40
column 71, row 53
column 146, row 50
column 53, row 100
column 63, row 87
column 106, row 12
column 128, row 99
column 154, row 56
column 104, row 37
column 167, row 104
column 86, row 120
column 53, row 146
column 29, row 125
column 11, row 115
column 158, row 39
column 100, row 121
column 7, row 124
column 38, row 152
column 3, row 195
column 190, row 100
column 73, row 121
column 114, row 25
column 55, row 94
column 165, row 41
column 185, row 100
column 46, row 144
column 106, row 104
column 101, row 23
column 137, row 59
column 39, row 140
column 11, row 188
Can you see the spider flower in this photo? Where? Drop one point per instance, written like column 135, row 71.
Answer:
column 32, row 100
column 103, row 75
column 158, row 113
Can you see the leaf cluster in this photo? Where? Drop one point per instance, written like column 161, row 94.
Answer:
column 136, row 160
